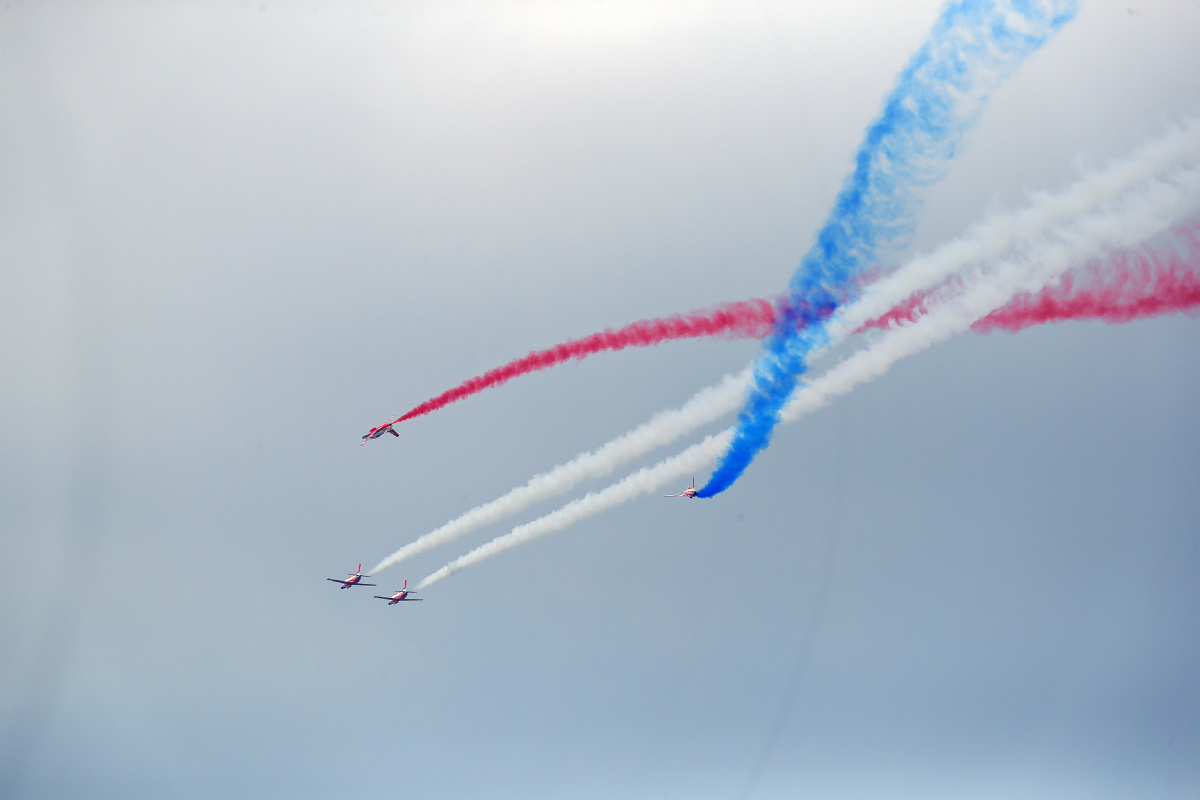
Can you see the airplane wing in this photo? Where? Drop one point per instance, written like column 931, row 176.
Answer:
column 365, row 584
column 406, row 599
column 335, row 580
column 393, row 433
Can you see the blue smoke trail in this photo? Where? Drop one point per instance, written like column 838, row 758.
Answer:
column 973, row 47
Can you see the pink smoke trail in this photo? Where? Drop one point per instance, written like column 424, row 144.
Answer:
column 1160, row 277
column 747, row 319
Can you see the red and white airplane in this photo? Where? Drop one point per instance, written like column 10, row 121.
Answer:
column 688, row 492
column 403, row 594
column 375, row 433
column 353, row 579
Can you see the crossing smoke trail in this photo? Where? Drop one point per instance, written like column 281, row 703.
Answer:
column 952, row 309
column 988, row 239
column 974, row 46
column 745, row 319
column 889, row 296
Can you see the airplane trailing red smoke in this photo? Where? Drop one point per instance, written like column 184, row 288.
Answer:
column 1160, row 277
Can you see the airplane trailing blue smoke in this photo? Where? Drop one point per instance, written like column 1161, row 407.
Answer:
column 973, row 47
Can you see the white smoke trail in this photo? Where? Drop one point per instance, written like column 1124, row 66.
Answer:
column 644, row 480
column 662, row 429
column 1121, row 223
column 988, row 239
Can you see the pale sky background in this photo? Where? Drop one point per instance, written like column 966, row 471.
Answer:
column 235, row 236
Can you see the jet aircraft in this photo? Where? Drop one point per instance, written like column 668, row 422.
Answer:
column 402, row 594
column 375, row 433
column 353, row 579
column 688, row 492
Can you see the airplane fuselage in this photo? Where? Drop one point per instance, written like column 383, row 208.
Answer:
column 398, row 595
column 375, row 433
column 353, row 579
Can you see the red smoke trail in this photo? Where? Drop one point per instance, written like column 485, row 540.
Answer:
column 743, row 320
column 1160, row 277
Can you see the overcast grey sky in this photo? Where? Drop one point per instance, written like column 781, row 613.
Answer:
column 235, row 236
